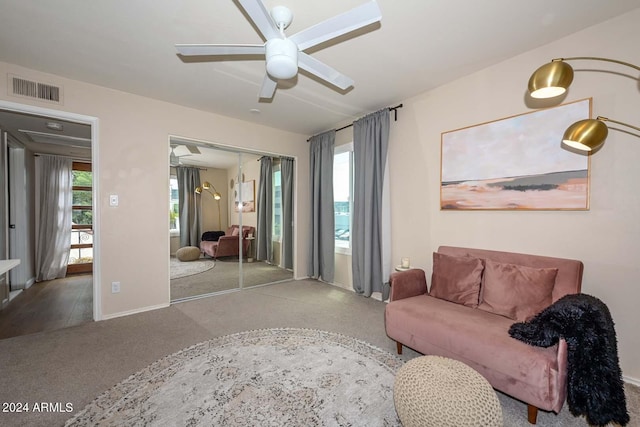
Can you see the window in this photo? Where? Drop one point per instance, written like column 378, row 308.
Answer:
column 277, row 204
column 174, row 207
column 342, row 196
column 81, row 253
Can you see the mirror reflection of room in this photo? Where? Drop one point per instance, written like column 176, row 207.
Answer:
column 226, row 213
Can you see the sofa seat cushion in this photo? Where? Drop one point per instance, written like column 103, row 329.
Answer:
column 435, row 326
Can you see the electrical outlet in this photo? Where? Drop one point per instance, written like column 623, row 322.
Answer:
column 115, row 287
column 113, row 200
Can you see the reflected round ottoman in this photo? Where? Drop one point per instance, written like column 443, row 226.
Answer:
column 437, row 391
column 188, row 253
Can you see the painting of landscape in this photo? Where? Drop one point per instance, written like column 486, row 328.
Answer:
column 517, row 163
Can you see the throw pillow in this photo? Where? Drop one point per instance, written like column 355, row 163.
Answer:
column 235, row 231
column 516, row 291
column 456, row 279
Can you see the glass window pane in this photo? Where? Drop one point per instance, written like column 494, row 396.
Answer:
column 82, row 198
column 74, row 256
column 277, row 205
column 80, row 256
column 81, row 216
column 174, row 204
column 342, row 198
column 82, row 236
column 82, row 178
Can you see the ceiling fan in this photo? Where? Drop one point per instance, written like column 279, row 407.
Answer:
column 285, row 54
column 177, row 151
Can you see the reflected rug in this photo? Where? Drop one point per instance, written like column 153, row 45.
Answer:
column 179, row 268
column 267, row 377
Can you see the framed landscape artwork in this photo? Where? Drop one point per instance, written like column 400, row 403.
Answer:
column 247, row 204
column 516, row 163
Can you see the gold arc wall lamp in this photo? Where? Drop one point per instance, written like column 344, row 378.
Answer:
column 206, row 186
column 588, row 135
column 553, row 79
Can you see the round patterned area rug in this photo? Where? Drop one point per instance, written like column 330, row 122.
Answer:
column 268, row 377
column 179, row 268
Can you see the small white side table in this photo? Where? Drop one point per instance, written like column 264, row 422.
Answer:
column 250, row 250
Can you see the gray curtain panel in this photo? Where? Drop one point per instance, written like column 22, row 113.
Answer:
column 286, row 170
column 264, row 227
column 189, row 206
column 322, row 245
column 370, row 142
column 55, row 200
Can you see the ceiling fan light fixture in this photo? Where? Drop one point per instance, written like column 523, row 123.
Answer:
column 282, row 58
column 54, row 126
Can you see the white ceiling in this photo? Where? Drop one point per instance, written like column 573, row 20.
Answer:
column 129, row 45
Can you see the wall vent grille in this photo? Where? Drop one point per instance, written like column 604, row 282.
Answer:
column 36, row 90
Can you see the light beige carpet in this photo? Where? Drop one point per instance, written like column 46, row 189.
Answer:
column 75, row 365
column 225, row 276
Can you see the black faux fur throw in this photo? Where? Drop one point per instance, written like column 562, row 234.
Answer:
column 594, row 379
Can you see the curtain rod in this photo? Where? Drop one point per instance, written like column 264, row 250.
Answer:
column 395, row 118
column 276, row 157
column 189, row 166
column 75, row 159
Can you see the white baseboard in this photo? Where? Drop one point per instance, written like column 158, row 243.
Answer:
column 630, row 380
column 136, row 311
column 30, row 283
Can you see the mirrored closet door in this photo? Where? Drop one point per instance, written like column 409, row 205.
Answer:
column 227, row 210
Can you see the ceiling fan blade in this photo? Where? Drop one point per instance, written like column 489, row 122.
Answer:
column 358, row 17
column 268, row 88
column 261, row 18
column 183, row 150
column 220, row 49
column 322, row 70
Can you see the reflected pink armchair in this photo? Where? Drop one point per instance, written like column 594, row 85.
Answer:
column 229, row 244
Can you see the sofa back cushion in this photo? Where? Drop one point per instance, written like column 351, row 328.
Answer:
column 568, row 280
column 456, row 279
column 516, row 291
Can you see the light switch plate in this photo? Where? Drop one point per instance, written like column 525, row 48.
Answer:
column 113, row 200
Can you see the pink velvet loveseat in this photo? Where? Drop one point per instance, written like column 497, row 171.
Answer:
column 475, row 296
column 229, row 244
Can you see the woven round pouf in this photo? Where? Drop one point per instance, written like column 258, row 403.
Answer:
column 188, row 253
column 437, row 391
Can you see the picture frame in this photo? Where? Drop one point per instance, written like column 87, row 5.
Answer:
column 247, row 204
column 516, row 163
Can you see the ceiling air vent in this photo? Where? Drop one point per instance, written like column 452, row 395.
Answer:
column 36, row 90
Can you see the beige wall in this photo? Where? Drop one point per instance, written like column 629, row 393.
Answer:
column 133, row 133
column 606, row 238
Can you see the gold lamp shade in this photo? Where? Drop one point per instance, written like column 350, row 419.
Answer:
column 586, row 135
column 550, row 80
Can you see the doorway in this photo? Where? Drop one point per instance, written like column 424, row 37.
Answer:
column 230, row 183
column 30, row 132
